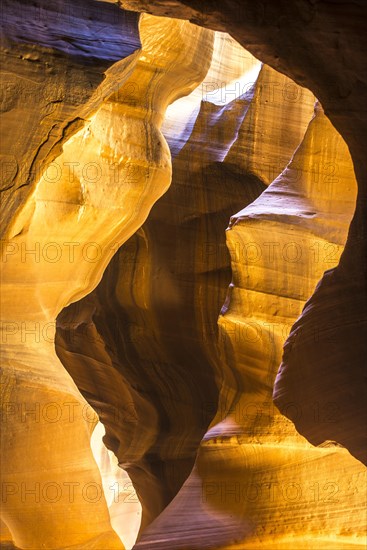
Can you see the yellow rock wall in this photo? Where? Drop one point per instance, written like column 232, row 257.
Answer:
column 167, row 230
column 56, row 249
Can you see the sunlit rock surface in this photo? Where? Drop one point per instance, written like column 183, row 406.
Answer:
column 320, row 45
column 170, row 283
column 122, row 501
column 58, row 61
column 105, row 115
column 255, row 478
column 87, row 206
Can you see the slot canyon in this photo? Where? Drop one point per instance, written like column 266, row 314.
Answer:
column 183, row 275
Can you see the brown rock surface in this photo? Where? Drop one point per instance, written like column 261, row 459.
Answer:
column 54, row 75
column 251, row 485
column 186, row 402
column 155, row 311
column 321, row 46
column 72, row 213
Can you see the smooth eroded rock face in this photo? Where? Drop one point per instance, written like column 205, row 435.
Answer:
column 183, row 297
column 58, row 64
column 300, row 40
column 87, row 205
column 251, row 485
column 170, row 282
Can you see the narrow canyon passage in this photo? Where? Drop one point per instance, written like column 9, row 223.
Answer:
column 164, row 234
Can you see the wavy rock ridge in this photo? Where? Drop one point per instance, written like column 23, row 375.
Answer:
column 115, row 212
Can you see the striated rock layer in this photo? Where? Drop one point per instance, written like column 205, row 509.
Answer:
column 255, row 478
column 76, row 219
column 156, row 308
column 58, row 62
column 321, row 46
column 185, row 399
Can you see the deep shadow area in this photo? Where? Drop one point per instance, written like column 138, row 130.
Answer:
column 142, row 347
